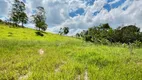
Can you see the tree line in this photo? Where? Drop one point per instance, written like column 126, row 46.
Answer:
column 105, row 34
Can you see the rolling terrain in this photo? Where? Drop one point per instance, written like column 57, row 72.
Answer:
column 26, row 56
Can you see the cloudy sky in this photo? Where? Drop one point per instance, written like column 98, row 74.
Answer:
column 79, row 15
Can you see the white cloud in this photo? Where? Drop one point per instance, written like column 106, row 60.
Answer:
column 115, row 1
column 57, row 12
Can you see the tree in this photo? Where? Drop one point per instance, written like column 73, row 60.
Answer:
column 66, row 30
column 23, row 18
column 129, row 33
column 40, row 19
column 105, row 26
column 77, row 35
column 17, row 13
column 104, row 33
column 14, row 12
column 61, row 31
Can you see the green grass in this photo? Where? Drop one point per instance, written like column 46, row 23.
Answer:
column 64, row 58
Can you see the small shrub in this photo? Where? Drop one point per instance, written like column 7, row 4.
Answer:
column 10, row 34
column 39, row 33
column 88, row 38
column 104, row 42
column 124, row 45
column 131, row 47
column 137, row 44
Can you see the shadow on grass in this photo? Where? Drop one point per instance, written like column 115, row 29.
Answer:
column 39, row 33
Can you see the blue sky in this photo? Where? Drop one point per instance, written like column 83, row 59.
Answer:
column 24, row 1
column 107, row 6
column 79, row 15
column 79, row 11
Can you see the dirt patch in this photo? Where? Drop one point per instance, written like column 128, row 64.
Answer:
column 139, row 63
column 78, row 77
column 86, row 75
column 58, row 66
column 41, row 51
column 25, row 77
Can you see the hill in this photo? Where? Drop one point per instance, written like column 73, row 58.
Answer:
column 26, row 56
column 28, row 34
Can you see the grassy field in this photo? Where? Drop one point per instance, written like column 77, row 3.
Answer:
column 63, row 58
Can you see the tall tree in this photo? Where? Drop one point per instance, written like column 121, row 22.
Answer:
column 17, row 13
column 40, row 19
column 23, row 16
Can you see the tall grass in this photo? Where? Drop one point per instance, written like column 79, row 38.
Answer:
column 64, row 58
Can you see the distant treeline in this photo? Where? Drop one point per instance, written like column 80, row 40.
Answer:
column 105, row 34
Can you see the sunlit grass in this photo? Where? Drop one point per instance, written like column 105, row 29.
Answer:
column 64, row 58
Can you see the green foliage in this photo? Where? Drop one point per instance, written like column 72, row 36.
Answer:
column 61, row 31
column 87, row 38
column 129, row 34
column 1, row 21
column 105, row 34
column 105, row 26
column 64, row 31
column 138, row 44
column 78, row 35
column 23, row 18
column 40, row 19
column 17, row 14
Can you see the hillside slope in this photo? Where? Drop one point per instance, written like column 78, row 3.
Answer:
column 26, row 56
column 28, row 34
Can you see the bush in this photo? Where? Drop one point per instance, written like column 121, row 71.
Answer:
column 38, row 33
column 104, row 42
column 88, row 38
column 124, row 45
column 138, row 44
column 1, row 21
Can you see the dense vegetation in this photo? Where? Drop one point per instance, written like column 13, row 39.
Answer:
column 105, row 34
column 64, row 58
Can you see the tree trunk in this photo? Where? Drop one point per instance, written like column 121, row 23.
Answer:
column 16, row 24
column 22, row 25
column 39, row 29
